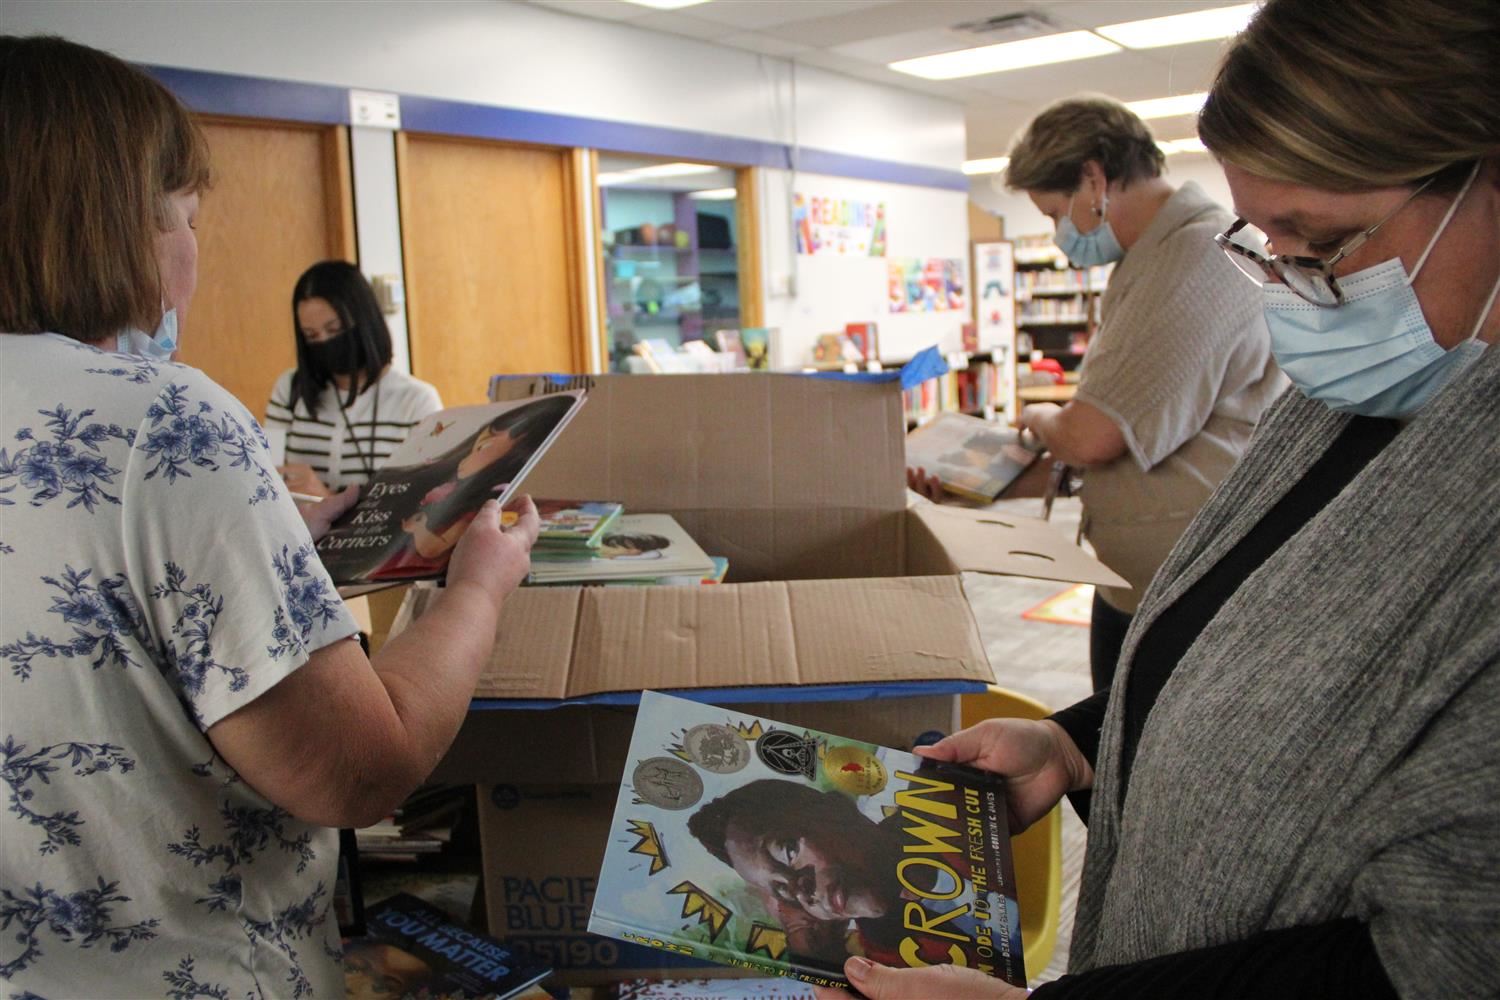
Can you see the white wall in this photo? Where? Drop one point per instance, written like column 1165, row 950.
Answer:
column 515, row 55
column 1022, row 218
column 812, row 294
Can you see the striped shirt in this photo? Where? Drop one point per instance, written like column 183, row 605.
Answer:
column 324, row 442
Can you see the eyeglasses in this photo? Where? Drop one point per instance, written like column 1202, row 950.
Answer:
column 1310, row 277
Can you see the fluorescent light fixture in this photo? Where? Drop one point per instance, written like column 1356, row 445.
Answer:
column 992, row 165
column 1171, row 147
column 657, row 170
column 666, row 4
column 1062, row 47
column 1166, row 107
column 1178, row 29
column 715, row 194
column 672, row 170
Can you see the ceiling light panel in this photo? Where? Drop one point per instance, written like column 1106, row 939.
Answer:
column 1179, row 29
column 666, row 4
column 1167, row 107
column 1063, row 47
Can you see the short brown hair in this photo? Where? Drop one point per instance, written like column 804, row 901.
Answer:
column 1378, row 93
column 89, row 149
column 1050, row 152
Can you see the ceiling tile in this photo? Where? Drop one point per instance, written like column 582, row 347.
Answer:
column 676, row 23
column 754, row 15
column 607, row 10
column 766, row 44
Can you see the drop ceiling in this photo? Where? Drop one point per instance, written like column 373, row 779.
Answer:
column 859, row 37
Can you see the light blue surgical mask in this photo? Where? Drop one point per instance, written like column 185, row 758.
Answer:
column 155, row 346
column 1094, row 248
column 1375, row 354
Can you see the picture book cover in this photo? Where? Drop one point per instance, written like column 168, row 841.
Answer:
column 729, row 343
column 973, row 458
column 638, row 546
column 784, row 850
column 412, row 513
column 412, row 949
column 755, row 341
column 575, row 524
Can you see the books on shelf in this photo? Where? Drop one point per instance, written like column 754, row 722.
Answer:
column 973, row 458
column 413, row 949
column 412, row 513
column 422, row 825
column 641, row 548
column 775, row 848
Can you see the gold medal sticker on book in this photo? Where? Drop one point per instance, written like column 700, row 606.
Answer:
column 786, row 850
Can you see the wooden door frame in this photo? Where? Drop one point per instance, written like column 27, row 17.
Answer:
column 747, row 222
column 573, row 239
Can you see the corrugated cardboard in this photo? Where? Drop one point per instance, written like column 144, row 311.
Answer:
column 800, row 482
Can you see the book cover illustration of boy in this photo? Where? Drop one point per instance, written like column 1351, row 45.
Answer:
column 787, row 850
column 413, row 512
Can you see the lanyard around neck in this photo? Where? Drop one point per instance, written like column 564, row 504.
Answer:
column 367, row 461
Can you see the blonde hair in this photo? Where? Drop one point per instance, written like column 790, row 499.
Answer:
column 90, row 147
column 1359, row 95
column 1050, row 152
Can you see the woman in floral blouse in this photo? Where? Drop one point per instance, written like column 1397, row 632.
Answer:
column 182, row 717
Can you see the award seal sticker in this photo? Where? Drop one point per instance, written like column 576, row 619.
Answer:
column 667, row 783
column 854, row 770
column 788, row 753
column 717, row 748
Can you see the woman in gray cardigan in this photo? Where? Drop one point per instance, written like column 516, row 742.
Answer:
column 1294, row 782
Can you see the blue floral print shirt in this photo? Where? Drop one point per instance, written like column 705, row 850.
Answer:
column 156, row 578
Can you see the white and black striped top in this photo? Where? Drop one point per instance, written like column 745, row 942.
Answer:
column 325, row 443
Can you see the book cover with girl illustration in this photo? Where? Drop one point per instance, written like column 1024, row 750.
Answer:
column 412, row 513
column 785, row 850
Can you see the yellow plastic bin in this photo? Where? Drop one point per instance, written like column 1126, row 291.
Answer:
column 1038, row 851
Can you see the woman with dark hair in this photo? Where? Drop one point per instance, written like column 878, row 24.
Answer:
column 344, row 408
column 1294, row 783
column 183, row 719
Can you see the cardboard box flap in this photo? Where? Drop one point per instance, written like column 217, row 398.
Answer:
column 979, row 541
column 724, row 442
column 775, row 634
column 567, row 642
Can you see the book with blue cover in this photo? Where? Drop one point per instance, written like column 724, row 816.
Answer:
column 413, row 949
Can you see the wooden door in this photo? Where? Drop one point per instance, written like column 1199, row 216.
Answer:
column 281, row 200
column 493, row 271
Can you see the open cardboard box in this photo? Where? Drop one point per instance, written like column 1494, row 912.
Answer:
column 845, row 610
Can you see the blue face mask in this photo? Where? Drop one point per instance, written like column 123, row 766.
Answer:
column 1094, row 248
column 1375, row 354
column 156, row 346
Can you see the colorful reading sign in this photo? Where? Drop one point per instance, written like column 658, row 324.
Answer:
column 932, row 284
column 840, row 226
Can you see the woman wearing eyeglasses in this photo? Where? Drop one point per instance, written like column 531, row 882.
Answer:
column 1296, row 786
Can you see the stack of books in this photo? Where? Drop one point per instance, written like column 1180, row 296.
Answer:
column 633, row 549
column 422, row 825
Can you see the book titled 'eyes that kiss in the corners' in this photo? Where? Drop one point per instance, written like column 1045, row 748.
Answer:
column 740, row 840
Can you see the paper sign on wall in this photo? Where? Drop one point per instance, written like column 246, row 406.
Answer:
column 841, row 226
column 933, row 284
